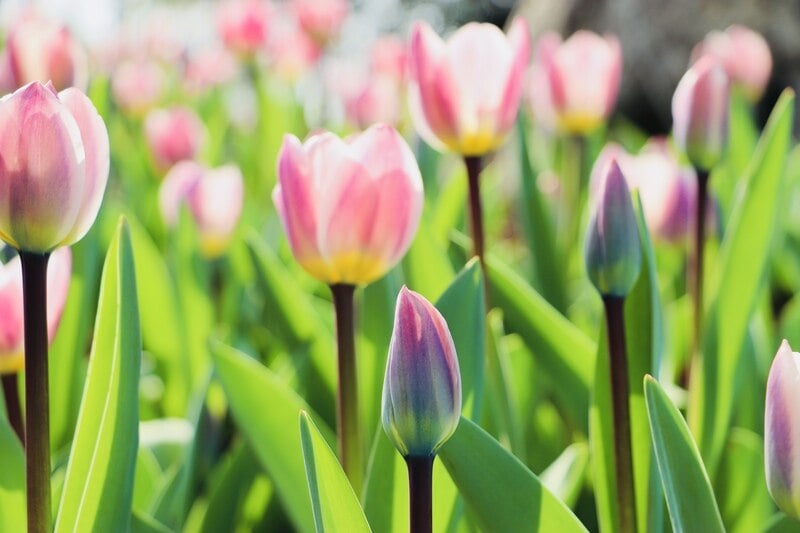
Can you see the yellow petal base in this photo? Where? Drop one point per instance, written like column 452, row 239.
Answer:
column 353, row 268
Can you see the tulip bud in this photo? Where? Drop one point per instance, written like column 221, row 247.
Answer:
column 464, row 94
column 349, row 207
column 11, row 310
column 243, row 25
column 173, row 135
column 700, row 113
column 421, row 403
column 320, row 19
column 55, row 155
column 613, row 255
column 782, row 431
column 137, row 85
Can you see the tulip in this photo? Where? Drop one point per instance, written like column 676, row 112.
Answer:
column 213, row 196
column 320, row 19
column 40, row 49
column 464, row 94
column 55, row 154
column 291, row 51
column 209, row 68
column 388, row 56
column 782, row 430
column 173, row 135
column 243, row 25
column 700, row 113
column 137, row 85
column 421, row 403
column 743, row 53
column 349, row 207
column 574, row 84
column 376, row 99
column 613, row 255
column 11, row 330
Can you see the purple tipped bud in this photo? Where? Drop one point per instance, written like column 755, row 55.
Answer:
column 422, row 388
column 782, row 431
column 613, row 255
column 700, row 113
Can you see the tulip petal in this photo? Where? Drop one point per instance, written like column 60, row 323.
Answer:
column 59, row 274
column 216, row 203
column 11, row 317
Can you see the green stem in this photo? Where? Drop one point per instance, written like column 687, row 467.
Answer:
column 474, row 166
column 349, row 435
column 11, row 396
column 618, row 366
column 698, row 261
column 37, row 448
column 420, row 493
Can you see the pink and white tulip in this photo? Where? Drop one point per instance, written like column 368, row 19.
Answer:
column 55, row 154
column 464, row 93
column 574, row 84
column 389, row 56
column 244, row 25
column 377, row 99
column 349, row 207
column 137, row 85
column 700, row 113
column 12, row 357
column 743, row 53
column 291, row 51
column 320, row 19
column 173, row 135
column 214, row 198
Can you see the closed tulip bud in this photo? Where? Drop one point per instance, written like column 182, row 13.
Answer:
column 350, row 208
column 137, row 85
column 421, row 403
column 213, row 196
column 55, row 155
column 782, row 430
column 12, row 355
column 320, row 19
column 700, row 113
column 743, row 53
column 613, row 255
column 243, row 25
column 574, row 84
column 464, row 93
column 173, row 135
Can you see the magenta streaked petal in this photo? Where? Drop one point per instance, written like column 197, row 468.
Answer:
column 519, row 38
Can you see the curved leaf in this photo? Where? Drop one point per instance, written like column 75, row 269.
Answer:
column 12, row 479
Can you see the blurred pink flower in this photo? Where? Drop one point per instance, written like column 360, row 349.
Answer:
column 214, row 198
column 574, row 84
column 59, row 271
column 378, row 98
column 389, row 57
column 244, row 25
column 291, row 51
column 173, row 135
column 137, row 85
column 321, row 19
column 464, row 93
column 40, row 49
column 209, row 68
column 743, row 53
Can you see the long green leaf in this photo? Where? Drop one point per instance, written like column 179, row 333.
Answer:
column 690, row 500
column 741, row 484
column 333, row 501
column 98, row 488
column 501, row 493
column 12, row 479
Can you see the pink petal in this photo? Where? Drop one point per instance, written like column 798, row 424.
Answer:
column 11, row 321
column 216, row 202
column 59, row 274
column 176, row 185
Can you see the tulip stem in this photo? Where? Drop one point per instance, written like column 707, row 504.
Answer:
column 349, row 436
column 698, row 263
column 37, row 447
column 618, row 366
column 11, row 396
column 420, row 493
column 474, row 166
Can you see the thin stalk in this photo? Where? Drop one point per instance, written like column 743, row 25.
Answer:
column 697, row 265
column 348, row 431
column 11, row 396
column 37, row 416
column 420, row 493
column 474, row 166
column 618, row 359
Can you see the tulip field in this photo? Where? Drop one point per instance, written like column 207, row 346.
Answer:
column 263, row 280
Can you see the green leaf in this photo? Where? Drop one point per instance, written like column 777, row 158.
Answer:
column 501, row 493
column 98, row 488
column 266, row 410
column 12, row 479
column 426, row 265
column 690, row 500
column 780, row 523
column 333, row 501
column 142, row 523
column 238, row 473
column 386, row 487
column 566, row 475
column 742, row 266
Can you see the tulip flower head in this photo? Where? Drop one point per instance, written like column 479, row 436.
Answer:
column 743, row 53
column 137, row 85
column 782, row 431
column 173, row 135
column 214, row 198
column 700, row 113
column 613, row 254
column 574, row 84
column 244, row 25
column 55, row 154
column 421, row 403
column 12, row 355
column 464, row 93
column 351, row 207
column 320, row 19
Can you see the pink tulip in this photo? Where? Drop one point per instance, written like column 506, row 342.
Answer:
column 11, row 316
column 291, row 51
column 244, row 25
column 209, row 68
column 700, row 113
column 389, row 57
column 213, row 196
column 464, row 94
column 349, row 207
column 574, row 84
column 376, row 99
column 173, row 135
column 137, row 85
column 55, row 155
column 321, row 19
column 40, row 49
column 743, row 53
